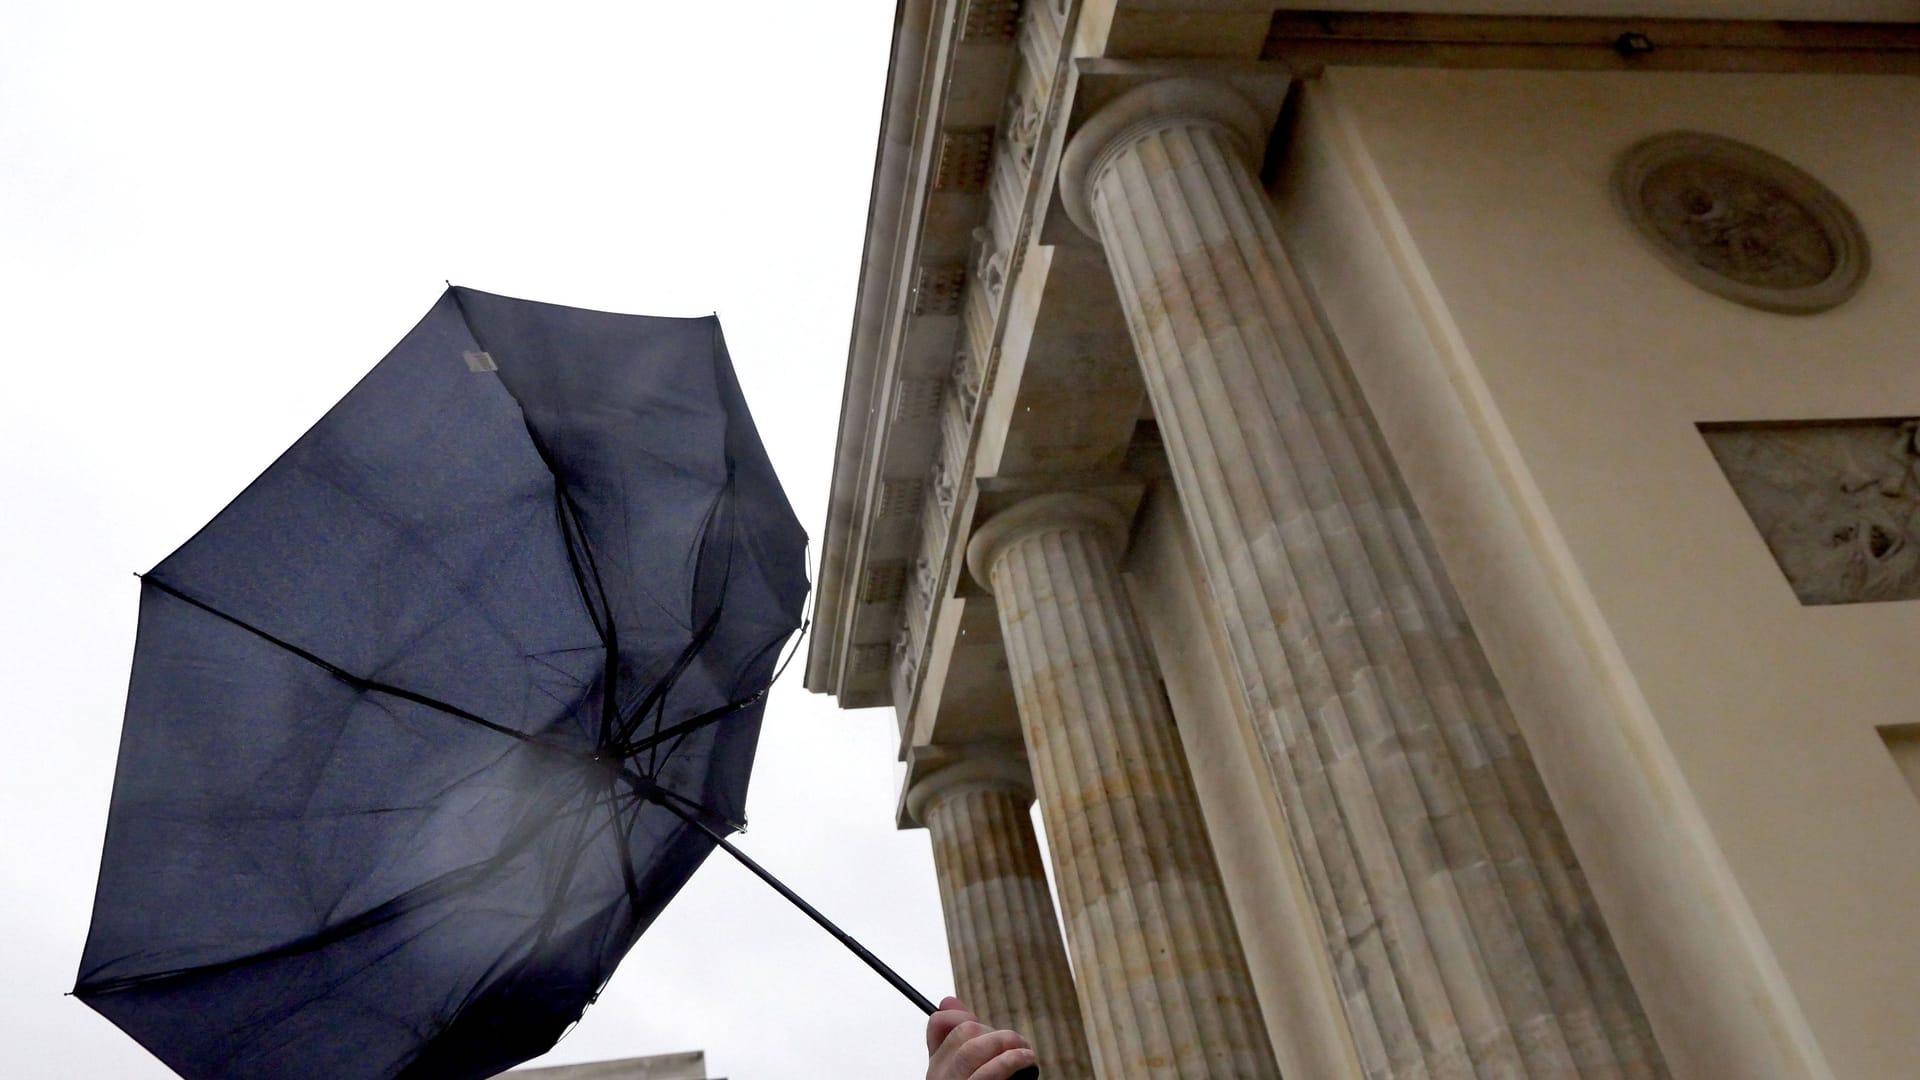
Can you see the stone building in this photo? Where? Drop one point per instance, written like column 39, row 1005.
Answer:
column 1425, row 499
column 688, row 1065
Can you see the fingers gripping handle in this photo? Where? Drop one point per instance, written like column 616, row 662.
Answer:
column 1031, row 1072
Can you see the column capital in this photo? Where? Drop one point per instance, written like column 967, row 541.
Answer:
column 988, row 768
column 1039, row 514
column 1145, row 110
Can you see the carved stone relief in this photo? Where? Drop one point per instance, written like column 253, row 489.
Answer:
column 1837, row 503
column 966, row 382
column 1033, row 84
column 906, row 662
column 936, row 520
column 899, row 497
column 1741, row 222
column 916, row 612
column 956, row 437
column 870, row 659
column 937, row 289
column 965, row 155
column 920, row 593
column 1023, row 128
column 943, row 484
column 989, row 263
column 917, row 399
column 989, row 20
column 883, row 583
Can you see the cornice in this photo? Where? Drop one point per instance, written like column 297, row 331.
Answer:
column 957, row 179
column 907, row 72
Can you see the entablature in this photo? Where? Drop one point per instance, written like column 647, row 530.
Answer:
column 943, row 241
column 987, row 338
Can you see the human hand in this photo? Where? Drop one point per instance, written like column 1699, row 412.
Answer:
column 960, row 1047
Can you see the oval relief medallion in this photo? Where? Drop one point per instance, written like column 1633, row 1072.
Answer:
column 1742, row 223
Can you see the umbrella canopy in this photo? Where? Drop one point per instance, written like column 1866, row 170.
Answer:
column 431, row 721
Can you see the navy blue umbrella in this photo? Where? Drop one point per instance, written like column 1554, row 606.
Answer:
column 428, row 724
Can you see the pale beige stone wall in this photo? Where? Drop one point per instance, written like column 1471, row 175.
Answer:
column 1710, row 743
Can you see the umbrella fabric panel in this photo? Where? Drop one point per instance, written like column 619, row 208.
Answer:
column 681, row 513
column 364, row 890
column 453, row 983
column 409, row 538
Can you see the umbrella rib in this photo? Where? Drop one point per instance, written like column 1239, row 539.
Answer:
column 693, row 724
column 573, row 535
column 516, row 842
column 357, row 681
column 441, row 886
column 680, row 731
column 645, row 789
column 569, row 519
column 586, row 568
column 722, row 499
column 661, row 687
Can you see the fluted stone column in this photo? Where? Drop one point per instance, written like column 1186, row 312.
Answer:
column 1163, row 984
column 1008, row 960
column 1463, row 936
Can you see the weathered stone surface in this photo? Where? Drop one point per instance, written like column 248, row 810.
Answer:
column 1464, row 939
column 1009, row 963
column 1838, row 503
column 1162, row 980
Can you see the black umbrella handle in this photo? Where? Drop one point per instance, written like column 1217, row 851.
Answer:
column 1031, row 1072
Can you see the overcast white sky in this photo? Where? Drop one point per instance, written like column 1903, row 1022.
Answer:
column 214, row 218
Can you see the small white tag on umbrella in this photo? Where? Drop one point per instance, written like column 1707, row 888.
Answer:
column 480, row 361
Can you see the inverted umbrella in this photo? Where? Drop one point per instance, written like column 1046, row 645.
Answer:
column 429, row 723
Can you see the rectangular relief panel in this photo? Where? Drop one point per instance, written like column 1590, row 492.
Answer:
column 1903, row 742
column 1837, row 502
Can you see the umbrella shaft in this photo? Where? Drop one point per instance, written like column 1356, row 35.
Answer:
column 859, row 950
